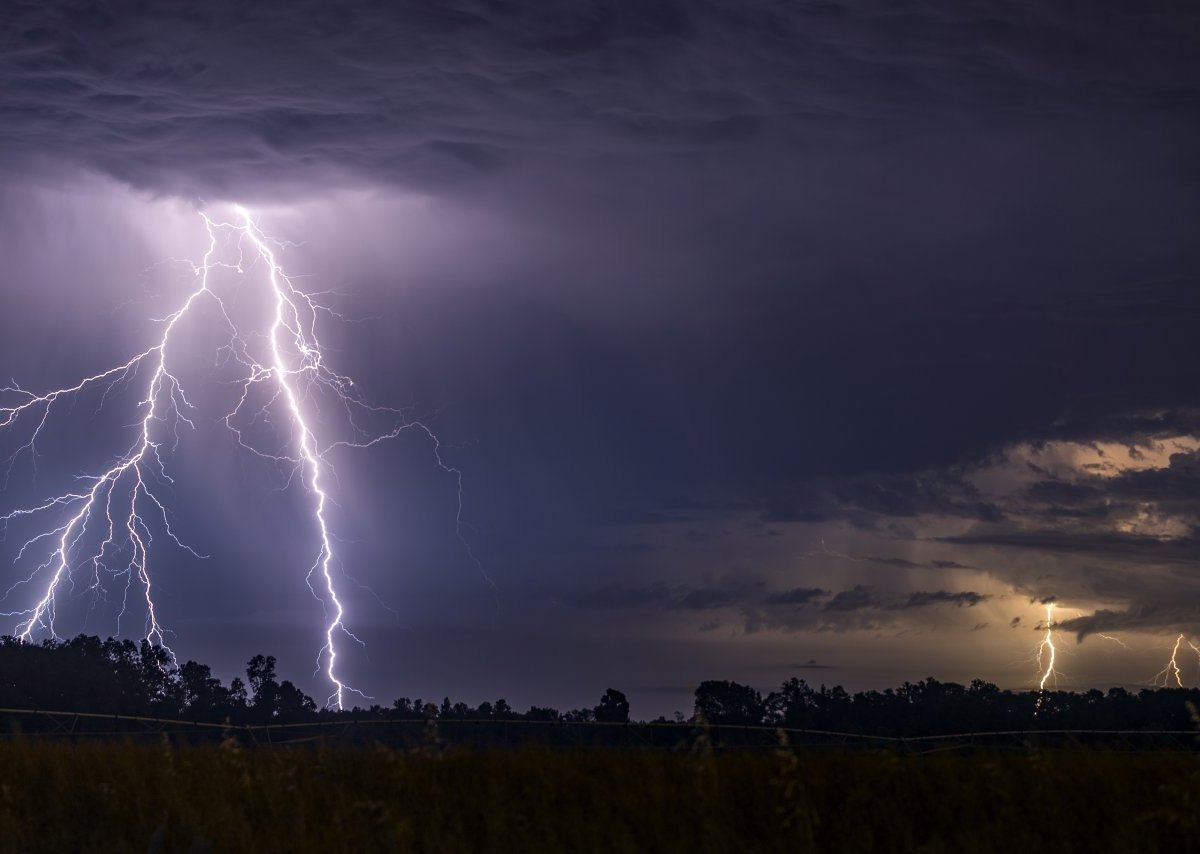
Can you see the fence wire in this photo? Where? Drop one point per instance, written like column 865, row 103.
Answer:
column 438, row 734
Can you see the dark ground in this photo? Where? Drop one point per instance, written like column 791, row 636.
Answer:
column 108, row 796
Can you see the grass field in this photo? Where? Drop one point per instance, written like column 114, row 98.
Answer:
column 131, row 798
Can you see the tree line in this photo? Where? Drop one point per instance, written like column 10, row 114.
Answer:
column 120, row 677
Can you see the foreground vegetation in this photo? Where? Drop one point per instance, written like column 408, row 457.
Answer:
column 255, row 766
column 107, row 796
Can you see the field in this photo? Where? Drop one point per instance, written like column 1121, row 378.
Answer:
column 229, row 798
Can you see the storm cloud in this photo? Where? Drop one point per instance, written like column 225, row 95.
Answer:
column 181, row 98
column 748, row 324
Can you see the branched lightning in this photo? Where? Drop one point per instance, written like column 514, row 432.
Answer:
column 1172, row 672
column 163, row 403
column 287, row 375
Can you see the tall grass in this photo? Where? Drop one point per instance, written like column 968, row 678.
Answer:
column 117, row 797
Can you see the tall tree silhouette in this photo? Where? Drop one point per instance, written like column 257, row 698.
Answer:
column 613, row 708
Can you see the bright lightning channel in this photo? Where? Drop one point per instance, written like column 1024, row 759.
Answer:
column 121, row 500
column 1172, row 672
column 1046, row 653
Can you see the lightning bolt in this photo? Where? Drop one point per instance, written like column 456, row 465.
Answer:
column 121, row 502
column 1172, row 671
column 163, row 399
column 1046, row 653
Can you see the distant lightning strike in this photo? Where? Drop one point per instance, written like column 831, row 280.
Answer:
column 1046, row 653
column 1173, row 672
column 122, row 498
column 1115, row 640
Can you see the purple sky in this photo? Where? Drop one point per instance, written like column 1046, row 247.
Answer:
column 818, row 339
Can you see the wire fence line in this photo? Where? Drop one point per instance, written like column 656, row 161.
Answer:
column 438, row 733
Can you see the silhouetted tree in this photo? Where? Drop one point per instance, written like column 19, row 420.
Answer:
column 793, row 705
column 613, row 708
column 292, row 703
column 120, row 677
column 237, row 693
column 405, row 708
column 538, row 713
column 260, row 673
column 721, row 702
column 272, row 699
column 201, row 693
column 156, row 675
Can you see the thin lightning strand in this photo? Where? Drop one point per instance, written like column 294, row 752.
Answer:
column 1163, row 678
column 1196, row 649
column 1115, row 640
column 1046, row 653
column 122, row 498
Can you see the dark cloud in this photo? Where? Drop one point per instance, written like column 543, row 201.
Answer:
column 1178, row 482
column 796, row 596
column 185, row 97
column 862, row 597
column 1173, row 488
column 895, row 561
column 858, row 598
column 708, row 599
column 1060, row 492
column 1174, row 616
column 1131, row 548
column 923, row 599
column 935, row 492
column 859, row 607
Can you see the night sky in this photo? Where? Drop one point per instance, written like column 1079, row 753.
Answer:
column 818, row 339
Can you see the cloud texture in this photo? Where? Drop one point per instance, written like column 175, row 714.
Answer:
column 848, row 326
column 204, row 99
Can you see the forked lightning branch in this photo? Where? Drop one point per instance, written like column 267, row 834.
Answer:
column 101, row 533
